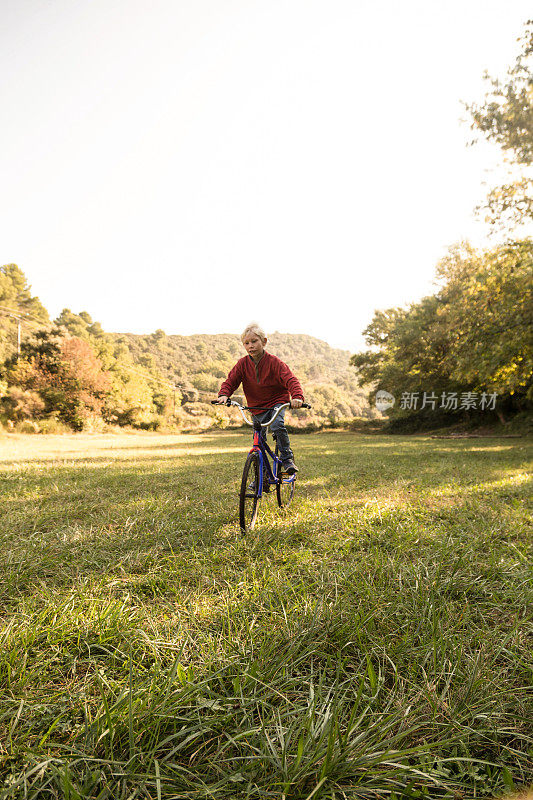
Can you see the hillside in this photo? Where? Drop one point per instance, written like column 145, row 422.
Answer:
column 197, row 364
column 70, row 371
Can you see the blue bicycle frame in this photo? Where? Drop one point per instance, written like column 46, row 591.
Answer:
column 261, row 447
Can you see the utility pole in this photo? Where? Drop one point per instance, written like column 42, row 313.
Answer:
column 21, row 317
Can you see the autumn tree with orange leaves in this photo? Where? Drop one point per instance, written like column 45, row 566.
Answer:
column 65, row 372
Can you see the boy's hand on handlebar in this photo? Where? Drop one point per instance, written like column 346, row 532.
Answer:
column 222, row 399
column 296, row 402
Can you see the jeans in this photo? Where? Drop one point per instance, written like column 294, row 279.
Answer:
column 279, row 432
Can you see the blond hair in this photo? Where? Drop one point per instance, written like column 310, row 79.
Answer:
column 253, row 327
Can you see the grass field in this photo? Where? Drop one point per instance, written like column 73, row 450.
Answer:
column 375, row 642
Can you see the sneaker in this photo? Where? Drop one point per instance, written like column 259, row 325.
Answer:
column 289, row 467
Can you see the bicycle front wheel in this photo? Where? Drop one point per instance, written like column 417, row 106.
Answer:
column 248, row 498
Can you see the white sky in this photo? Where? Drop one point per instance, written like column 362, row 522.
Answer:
column 193, row 165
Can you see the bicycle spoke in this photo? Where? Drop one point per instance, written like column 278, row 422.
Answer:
column 249, row 500
column 284, row 489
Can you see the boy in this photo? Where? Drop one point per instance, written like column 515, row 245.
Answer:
column 267, row 383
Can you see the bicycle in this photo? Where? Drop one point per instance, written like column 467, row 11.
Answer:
column 258, row 475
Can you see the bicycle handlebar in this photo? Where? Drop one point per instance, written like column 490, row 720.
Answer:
column 242, row 409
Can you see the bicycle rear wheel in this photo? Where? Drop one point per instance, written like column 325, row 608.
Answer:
column 248, row 498
column 285, row 489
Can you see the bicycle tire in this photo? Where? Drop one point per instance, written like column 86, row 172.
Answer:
column 249, row 500
column 284, row 490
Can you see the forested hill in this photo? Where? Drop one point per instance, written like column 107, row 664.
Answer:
column 69, row 371
column 197, row 364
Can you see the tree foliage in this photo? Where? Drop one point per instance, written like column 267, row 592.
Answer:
column 473, row 334
column 506, row 118
column 21, row 404
column 15, row 293
column 488, row 302
column 74, row 370
column 16, row 299
column 137, row 390
column 64, row 372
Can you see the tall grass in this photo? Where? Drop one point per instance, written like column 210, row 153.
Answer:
column 374, row 642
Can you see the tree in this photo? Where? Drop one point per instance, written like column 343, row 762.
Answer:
column 16, row 299
column 82, row 326
column 474, row 334
column 159, row 336
column 75, row 324
column 15, row 292
column 20, row 404
column 131, row 400
column 488, row 298
column 66, row 374
column 410, row 347
column 506, row 118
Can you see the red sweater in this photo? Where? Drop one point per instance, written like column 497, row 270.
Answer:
column 264, row 384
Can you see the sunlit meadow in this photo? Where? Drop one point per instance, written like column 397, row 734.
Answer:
column 373, row 642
